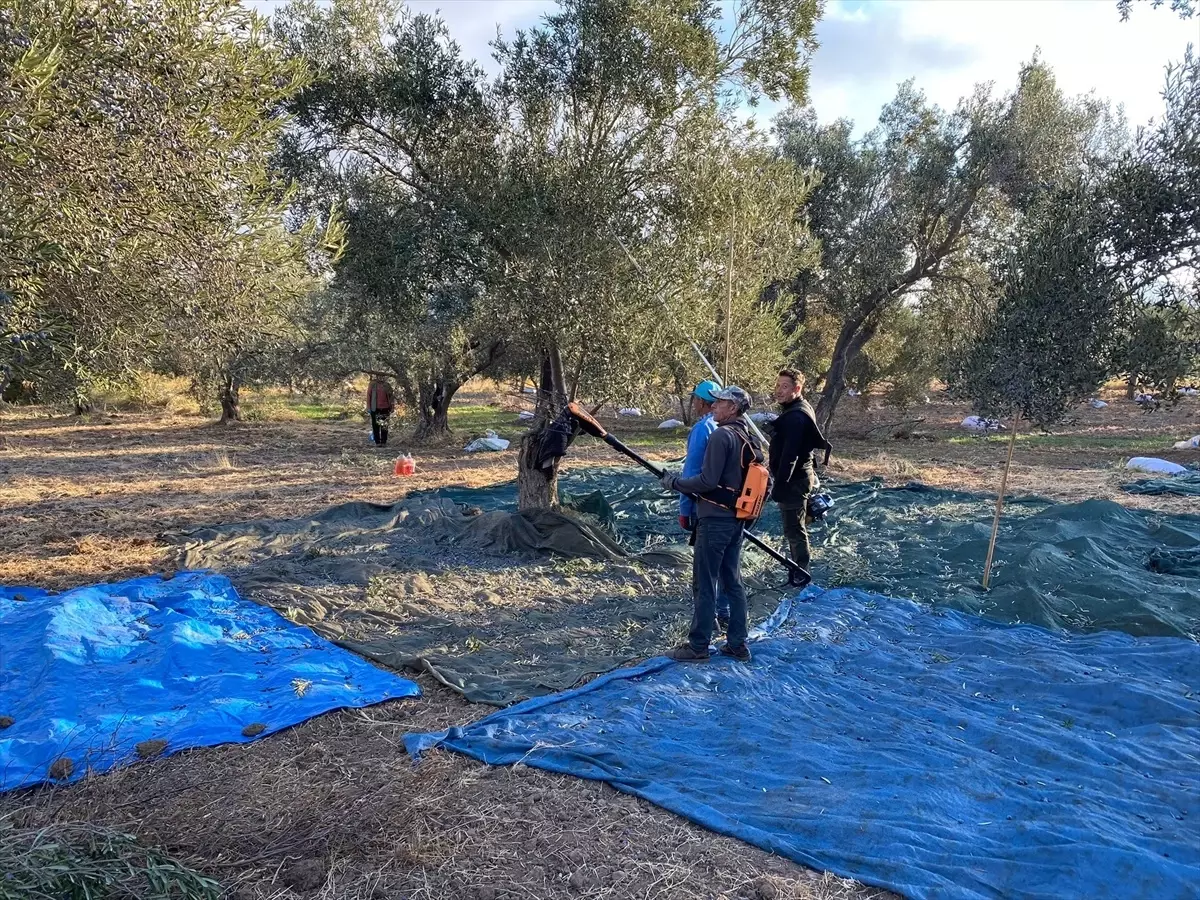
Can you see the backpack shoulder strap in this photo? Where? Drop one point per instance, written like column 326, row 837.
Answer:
column 756, row 453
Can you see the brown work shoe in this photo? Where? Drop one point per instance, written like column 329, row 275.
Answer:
column 741, row 652
column 685, row 653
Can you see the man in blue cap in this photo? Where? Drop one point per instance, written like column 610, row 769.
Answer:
column 717, row 558
column 697, row 443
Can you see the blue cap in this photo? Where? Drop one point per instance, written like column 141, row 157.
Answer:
column 706, row 391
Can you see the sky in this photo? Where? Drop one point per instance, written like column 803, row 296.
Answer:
column 868, row 47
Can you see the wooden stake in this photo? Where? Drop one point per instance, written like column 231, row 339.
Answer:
column 1012, row 442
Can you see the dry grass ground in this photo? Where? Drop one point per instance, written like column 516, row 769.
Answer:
column 334, row 808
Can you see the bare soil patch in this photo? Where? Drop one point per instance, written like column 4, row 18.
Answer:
column 335, row 809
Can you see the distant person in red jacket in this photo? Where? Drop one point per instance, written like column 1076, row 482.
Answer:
column 380, row 403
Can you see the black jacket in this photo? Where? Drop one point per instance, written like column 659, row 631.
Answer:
column 795, row 437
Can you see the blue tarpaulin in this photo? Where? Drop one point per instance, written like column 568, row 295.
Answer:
column 89, row 674
column 931, row 752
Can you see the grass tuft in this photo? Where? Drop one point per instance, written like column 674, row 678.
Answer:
column 77, row 861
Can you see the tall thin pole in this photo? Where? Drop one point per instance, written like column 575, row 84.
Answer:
column 729, row 299
column 1012, row 442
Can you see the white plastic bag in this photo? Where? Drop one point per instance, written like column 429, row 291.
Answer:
column 1155, row 466
column 980, row 424
column 492, row 443
column 1097, row 404
column 629, row 411
column 764, row 417
column 525, row 415
column 670, row 423
column 1192, row 443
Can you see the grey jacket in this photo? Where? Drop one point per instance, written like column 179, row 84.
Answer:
column 723, row 468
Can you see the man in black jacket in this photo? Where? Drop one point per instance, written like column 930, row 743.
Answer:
column 795, row 437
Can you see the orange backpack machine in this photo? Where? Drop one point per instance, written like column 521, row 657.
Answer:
column 756, row 486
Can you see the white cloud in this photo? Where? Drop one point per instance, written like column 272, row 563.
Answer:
column 947, row 46
column 472, row 23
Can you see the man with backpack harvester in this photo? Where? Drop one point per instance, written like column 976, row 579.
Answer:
column 729, row 493
column 731, row 488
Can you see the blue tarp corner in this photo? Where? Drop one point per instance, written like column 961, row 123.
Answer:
column 930, row 752
column 89, row 674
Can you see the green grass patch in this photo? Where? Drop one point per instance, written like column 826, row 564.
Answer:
column 470, row 421
column 318, row 410
column 466, row 416
column 475, row 421
column 276, row 406
column 655, row 440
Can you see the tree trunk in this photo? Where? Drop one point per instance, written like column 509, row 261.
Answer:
column 537, row 488
column 684, row 394
column 231, row 409
column 1131, row 386
column 851, row 339
column 573, row 389
column 433, row 408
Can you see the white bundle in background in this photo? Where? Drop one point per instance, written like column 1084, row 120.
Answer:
column 980, row 424
column 1097, row 404
column 1192, row 443
column 1155, row 466
column 670, row 423
column 629, row 411
column 492, row 443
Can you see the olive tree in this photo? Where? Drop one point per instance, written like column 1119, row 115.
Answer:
column 582, row 153
column 902, row 213
column 1160, row 343
column 133, row 133
column 608, row 107
column 1083, row 254
column 399, row 130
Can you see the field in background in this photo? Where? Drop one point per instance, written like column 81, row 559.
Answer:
column 84, row 498
column 332, row 808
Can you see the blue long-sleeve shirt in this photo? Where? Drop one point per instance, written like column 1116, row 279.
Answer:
column 694, row 461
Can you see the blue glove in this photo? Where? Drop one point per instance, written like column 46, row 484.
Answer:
column 667, row 480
